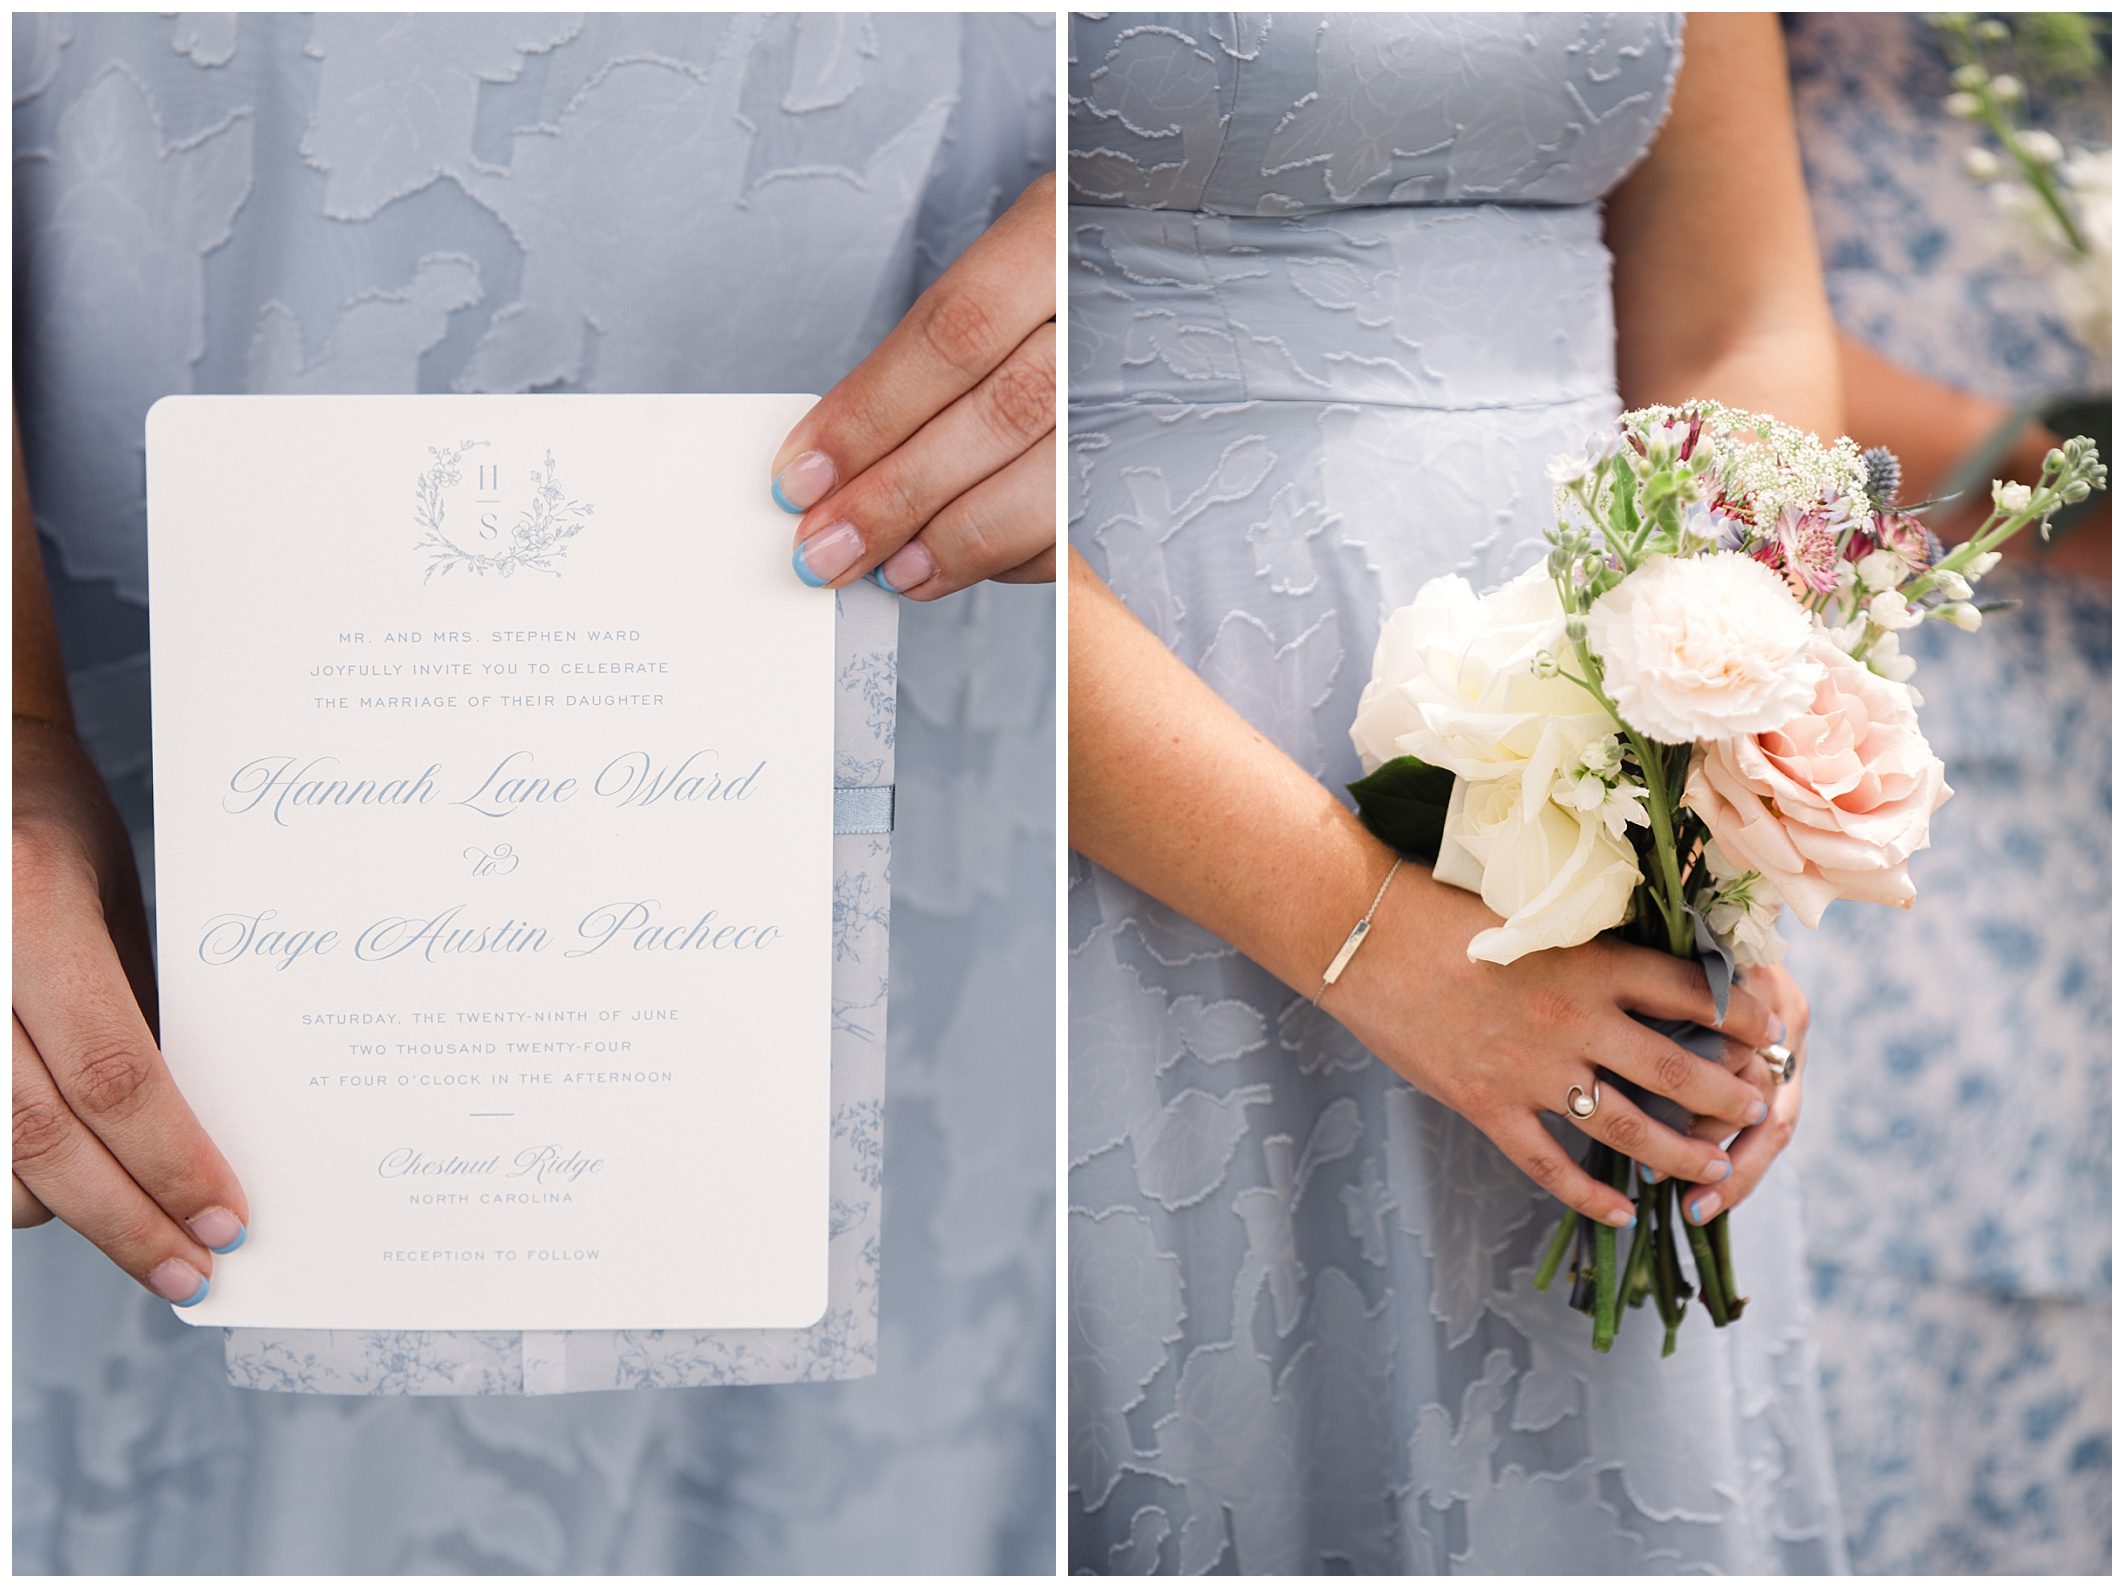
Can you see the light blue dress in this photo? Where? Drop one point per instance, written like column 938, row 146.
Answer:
column 1338, row 293
column 1957, row 1142
column 555, row 202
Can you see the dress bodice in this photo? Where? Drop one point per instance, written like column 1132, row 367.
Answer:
column 1394, row 210
column 1248, row 113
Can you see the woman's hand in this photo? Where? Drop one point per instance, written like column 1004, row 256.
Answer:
column 1757, row 1147
column 1504, row 1044
column 933, row 463
column 103, row 1140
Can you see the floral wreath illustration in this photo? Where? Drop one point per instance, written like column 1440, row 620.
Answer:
column 537, row 540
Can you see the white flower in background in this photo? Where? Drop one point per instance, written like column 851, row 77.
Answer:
column 1880, row 570
column 2012, row 497
column 1969, row 75
column 1981, row 564
column 1962, row 615
column 1740, row 910
column 1891, row 611
column 2006, row 88
column 1456, row 682
column 1951, row 585
column 1963, row 105
column 2039, row 146
column 1982, row 165
column 1556, row 876
column 1703, row 648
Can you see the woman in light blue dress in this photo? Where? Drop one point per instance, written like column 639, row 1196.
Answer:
column 1340, row 287
column 1965, row 1319
column 266, row 203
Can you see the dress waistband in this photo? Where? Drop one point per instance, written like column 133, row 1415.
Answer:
column 1457, row 307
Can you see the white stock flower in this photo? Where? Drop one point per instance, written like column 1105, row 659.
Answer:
column 1982, row 563
column 1981, row 164
column 1962, row 105
column 1963, row 616
column 2040, row 146
column 2012, row 497
column 1741, row 911
column 1558, row 877
column 1880, row 570
column 1703, row 648
column 1891, row 611
column 1885, row 657
column 2006, row 87
column 1951, row 585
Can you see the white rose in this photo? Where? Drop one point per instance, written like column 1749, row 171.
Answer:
column 1557, row 877
column 1703, row 648
column 1454, row 683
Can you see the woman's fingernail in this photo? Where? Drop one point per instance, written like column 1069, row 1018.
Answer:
column 1701, row 1209
column 1721, row 1170
column 827, row 555
column 1648, row 1174
column 218, row 1230
column 803, row 483
column 906, row 568
column 1758, row 1111
column 1777, row 1029
column 179, row 1282
column 1622, row 1220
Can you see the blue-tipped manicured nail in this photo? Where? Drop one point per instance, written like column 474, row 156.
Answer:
column 1648, row 1174
column 1758, row 1111
column 1630, row 1223
column 223, row 1251
column 197, row 1296
column 824, row 557
column 1777, row 1029
column 1725, row 1168
column 877, row 577
column 803, row 484
column 1703, row 1207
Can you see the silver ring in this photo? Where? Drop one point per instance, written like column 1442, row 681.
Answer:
column 1783, row 1062
column 1581, row 1103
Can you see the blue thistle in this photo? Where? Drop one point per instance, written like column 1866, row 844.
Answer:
column 1884, row 476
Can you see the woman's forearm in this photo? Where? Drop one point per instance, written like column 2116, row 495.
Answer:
column 1718, row 285
column 40, row 674
column 1173, row 791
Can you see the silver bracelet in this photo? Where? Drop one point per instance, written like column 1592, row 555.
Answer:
column 1355, row 940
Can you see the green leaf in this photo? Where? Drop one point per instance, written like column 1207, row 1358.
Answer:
column 1403, row 805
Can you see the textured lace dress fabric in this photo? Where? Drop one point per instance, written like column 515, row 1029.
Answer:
column 1964, row 1313
column 1338, row 292
column 600, row 203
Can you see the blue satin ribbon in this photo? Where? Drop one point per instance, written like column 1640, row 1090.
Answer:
column 863, row 810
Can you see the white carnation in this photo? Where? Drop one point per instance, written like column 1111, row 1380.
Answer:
column 1704, row 648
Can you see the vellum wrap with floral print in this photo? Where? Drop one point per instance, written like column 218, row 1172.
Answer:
column 1692, row 714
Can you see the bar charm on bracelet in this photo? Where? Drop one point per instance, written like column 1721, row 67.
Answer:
column 1355, row 940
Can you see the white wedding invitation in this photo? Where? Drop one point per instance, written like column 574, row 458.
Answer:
column 494, row 764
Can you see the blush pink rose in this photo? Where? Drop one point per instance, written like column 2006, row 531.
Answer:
column 1833, row 804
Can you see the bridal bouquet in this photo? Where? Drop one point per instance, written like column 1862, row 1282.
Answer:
column 1692, row 715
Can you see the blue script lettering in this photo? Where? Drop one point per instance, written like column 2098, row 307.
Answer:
column 636, row 921
column 633, row 779
column 506, row 789
column 276, row 778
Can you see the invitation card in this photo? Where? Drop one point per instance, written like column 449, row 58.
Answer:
column 494, row 763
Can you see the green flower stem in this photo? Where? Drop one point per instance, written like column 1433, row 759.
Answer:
column 1559, row 1243
column 1666, row 1265
column 1605, row 1279
column 1672, row 907
column 1722, row 1252
column 2039, row 176
column 1707, row 1278
column 1637, row 1272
